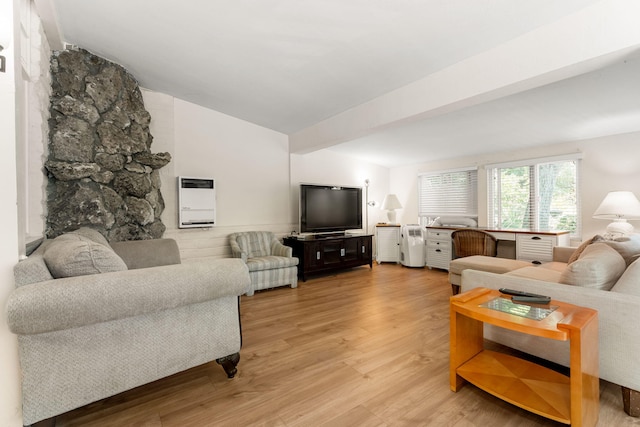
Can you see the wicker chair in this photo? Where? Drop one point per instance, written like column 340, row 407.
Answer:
column 473, row 242
column 467, row 242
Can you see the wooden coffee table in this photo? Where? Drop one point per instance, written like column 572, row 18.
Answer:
column 571, row 400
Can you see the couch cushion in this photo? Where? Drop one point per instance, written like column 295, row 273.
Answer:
column 71, row 255
column 486, row 263
column 629, row 282
column 270, row 262
column 538, row 273
column 599, row 267
column 628, row 247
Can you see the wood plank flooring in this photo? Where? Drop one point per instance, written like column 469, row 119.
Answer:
column 365, row 347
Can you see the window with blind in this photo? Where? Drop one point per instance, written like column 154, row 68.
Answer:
column 537, row 194
column 448, row 193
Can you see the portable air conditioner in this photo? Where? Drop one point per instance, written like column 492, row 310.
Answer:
column 412, row 248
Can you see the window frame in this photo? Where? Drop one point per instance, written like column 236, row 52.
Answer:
column 495, row 194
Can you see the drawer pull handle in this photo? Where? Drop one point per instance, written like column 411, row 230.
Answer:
column 536, row 238
column 318, row 255
column 438, row 250
column 536, row 262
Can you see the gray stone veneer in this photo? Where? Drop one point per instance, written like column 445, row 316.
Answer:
column 101, row 171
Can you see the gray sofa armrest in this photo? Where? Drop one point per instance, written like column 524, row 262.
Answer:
column 279, row 249
column 84, row 300
column 562, row 253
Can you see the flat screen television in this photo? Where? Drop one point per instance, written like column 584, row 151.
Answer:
column 328, row 208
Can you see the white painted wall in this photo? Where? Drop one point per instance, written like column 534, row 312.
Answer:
column 250, row 165
column 10, row 398
column 609, row 163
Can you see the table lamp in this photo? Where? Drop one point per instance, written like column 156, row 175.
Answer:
column 390, row 204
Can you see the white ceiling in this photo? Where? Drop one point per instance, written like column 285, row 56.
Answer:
column 290, row 64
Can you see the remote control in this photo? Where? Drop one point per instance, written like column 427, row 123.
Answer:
column 531, row 300
column 513, row 292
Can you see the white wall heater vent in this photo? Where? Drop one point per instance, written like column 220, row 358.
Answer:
column 196, row 202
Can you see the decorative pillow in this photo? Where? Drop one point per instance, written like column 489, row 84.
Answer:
column 91, row 234
column 71, row 255
column 629, row 283
column 628, row 247
column 576, row 254
column 599, row 267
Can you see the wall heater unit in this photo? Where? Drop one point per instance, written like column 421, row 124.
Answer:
column 196, row 202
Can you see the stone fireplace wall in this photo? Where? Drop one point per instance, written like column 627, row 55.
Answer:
column 101, row 171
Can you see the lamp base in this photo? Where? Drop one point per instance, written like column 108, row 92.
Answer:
column 619, row 228
column 391, row 215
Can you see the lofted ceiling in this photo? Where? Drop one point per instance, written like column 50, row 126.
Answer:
column 294, row 65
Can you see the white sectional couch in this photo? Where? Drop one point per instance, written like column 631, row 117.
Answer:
column 601, row 275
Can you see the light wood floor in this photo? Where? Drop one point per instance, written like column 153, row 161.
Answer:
column 360, row 348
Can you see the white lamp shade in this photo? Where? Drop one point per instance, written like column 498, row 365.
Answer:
column 391, row 202
column 618, row 205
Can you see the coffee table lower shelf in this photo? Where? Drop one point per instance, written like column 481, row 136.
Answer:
column 511, row 378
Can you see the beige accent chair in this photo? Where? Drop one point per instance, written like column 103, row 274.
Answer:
column 270, row 263
column 94, row 319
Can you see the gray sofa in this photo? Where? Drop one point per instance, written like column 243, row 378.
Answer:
column 604, row 276
column 94, row 319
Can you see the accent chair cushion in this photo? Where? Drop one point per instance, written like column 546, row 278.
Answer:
column 256, row 243
column 73, row 254
column 599, row 267
column 271, row 262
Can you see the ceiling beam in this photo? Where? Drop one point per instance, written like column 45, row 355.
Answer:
column 592, row 38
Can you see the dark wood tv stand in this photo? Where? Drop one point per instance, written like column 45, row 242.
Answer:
column 327, row 254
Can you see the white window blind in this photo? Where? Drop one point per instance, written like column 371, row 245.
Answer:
column 536, row 194
column 448, row 193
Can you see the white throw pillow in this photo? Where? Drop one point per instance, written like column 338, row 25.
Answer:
column 599, row 267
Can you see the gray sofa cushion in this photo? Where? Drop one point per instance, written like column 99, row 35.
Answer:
column 72, row 255
column 147, row 253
